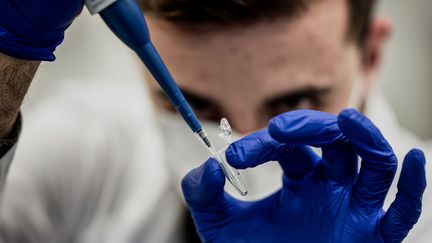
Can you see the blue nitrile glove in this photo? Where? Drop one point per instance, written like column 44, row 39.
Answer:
column 322, row 199
column 32, row 29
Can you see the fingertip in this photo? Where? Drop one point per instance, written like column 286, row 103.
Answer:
column 413, row 174
column 235, row 156
column 367, row 139
column 354, row 123
column 416, row 155
column 275, row 125
column 414, row 163
column 251, row 150
column 349, row 115
column 349, row 122
column 207, row 174
column 215, row 177
column 203, row 184
column 349, row 112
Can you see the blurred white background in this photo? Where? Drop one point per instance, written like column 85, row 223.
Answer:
column 90, row 51
column 406, row 77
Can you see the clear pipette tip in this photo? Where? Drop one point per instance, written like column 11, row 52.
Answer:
column 231, row 173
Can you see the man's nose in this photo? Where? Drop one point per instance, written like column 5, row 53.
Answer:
column 245, row 123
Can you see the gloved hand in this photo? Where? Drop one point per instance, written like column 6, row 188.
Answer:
column 323, row 199
column 31, row 30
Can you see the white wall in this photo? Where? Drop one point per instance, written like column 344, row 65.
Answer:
column 90, row 51
column 406, row 77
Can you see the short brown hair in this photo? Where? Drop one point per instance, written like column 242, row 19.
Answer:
column 225, row 12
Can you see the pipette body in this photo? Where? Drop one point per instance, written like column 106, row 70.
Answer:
column 126, row 21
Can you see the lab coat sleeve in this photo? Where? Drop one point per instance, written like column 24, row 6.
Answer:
column 5, row 163
column 7, row 151
column 26, row 199
column 62, row 179
column 82, row 174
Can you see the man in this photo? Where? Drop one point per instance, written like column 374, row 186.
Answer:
column 262, row 60
column 89, row 185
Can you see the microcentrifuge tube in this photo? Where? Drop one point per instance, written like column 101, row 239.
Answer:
column 225, row 130
column 231, row 174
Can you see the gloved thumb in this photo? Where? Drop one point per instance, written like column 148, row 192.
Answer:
column 203, row 187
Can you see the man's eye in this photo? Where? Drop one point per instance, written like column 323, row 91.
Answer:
column 286, row 105
column 205, row 111
column 202, row 108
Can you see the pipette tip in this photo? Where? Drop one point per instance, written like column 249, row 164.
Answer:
column 231, row 174
column 203, row 137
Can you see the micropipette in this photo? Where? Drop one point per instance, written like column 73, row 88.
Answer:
column 126, row 21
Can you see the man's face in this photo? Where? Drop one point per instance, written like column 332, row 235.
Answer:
column 250, row 73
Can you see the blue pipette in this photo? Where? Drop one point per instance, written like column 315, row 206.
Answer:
column 125, row 19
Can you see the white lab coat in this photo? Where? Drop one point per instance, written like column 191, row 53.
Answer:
column 90, row 167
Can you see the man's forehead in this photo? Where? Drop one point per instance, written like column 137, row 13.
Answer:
column 265, row 54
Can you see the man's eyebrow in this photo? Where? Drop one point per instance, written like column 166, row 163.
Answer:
column 298, row 94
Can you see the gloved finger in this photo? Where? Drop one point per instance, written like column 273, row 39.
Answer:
column 203, row 188
column 340, row 162
column 306, row 127
column 318, row 129
column 379, row 163
column 253, row 150
column 405, row 210
column 260, row 147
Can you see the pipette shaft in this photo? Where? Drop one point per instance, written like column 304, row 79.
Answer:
column 125, row 19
